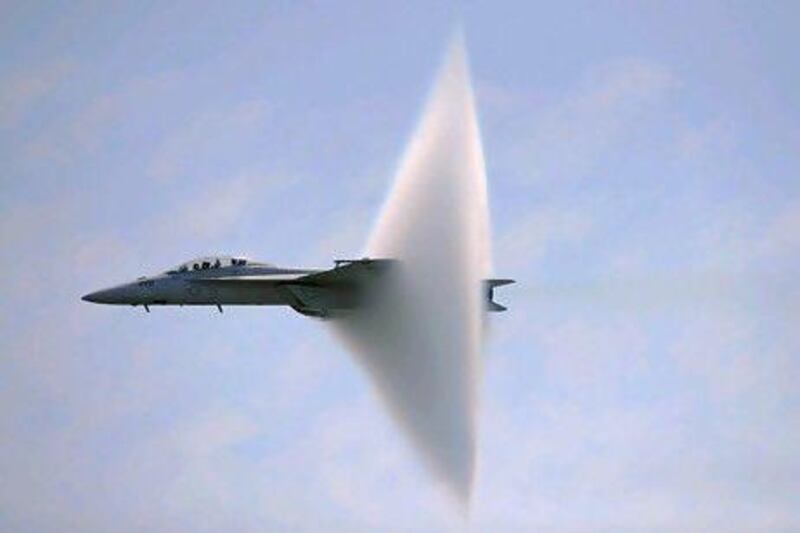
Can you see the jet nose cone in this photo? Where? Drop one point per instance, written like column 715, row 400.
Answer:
column 121, row 294
column 99, row 297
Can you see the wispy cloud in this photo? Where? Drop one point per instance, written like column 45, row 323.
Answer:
column 527, row 242
column 185, row 150
column 609, row 107
column 22, row 91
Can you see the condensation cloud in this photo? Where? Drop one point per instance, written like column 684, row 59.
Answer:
column 420, row 337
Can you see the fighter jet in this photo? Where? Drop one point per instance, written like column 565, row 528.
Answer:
column 225, row 280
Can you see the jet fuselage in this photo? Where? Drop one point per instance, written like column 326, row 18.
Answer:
column 221, row 281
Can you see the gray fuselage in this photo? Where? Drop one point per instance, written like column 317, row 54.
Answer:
column 224, row 285
column 223, row 280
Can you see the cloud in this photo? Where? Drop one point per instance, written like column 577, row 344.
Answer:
column 587, row 360
column 545, row 228
column 698, row 142
column 609, row 107
column 214, row 210
column 101, row 117
column 781, row 238
column 185, row 151
column 302, row 373
column 21, row 92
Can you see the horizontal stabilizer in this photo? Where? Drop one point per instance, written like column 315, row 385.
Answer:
column 489, row 286
column 495, row 307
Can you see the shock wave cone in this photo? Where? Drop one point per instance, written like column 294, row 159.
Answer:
column 419, row 338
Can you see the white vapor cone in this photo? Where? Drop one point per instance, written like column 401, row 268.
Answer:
column 419, row 337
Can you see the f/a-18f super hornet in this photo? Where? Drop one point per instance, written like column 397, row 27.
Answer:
column 224, row 280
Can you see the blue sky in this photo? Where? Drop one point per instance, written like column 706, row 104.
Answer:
column 643, row 174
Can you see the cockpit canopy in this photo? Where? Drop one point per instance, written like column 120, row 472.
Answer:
column 217, row 261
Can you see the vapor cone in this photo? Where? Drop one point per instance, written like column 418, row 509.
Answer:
column 420, row 337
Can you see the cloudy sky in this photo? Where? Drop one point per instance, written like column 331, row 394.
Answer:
column 644, row 174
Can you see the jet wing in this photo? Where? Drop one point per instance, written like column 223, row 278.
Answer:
column 319, row 293
column 347, row 273
column 340, row 288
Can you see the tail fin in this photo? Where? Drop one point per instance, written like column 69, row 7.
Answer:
column 489, row 285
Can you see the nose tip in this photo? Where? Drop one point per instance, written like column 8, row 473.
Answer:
column 127, row 293
column 94, row 297
column 114, row 295
column 91, row 297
